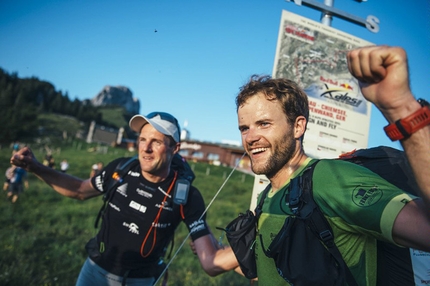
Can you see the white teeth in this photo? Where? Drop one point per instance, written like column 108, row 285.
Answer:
column 258, row 150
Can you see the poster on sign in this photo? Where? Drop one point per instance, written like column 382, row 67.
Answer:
column 314, row 55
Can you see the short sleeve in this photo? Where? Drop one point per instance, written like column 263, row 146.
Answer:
column 193, row 213
column 101, row 180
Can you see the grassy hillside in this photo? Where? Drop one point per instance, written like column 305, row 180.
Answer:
column 42, row 235
column 55, row 126
column 115, row 116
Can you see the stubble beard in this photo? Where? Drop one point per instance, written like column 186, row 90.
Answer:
column 282, row 153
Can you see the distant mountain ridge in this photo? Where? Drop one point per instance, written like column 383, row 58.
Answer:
column 117, row 96
column 31, row 107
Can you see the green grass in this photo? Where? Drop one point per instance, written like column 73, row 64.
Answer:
column 114, row 116
column 42, row 235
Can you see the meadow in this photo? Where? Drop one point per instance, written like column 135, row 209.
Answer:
column 43, row 234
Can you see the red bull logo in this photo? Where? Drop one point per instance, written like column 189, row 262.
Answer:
column 346, row 86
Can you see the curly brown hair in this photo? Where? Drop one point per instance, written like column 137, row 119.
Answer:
column 292, row 98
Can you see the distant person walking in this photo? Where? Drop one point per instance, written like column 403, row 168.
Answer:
column 49, row 161
column 15, row 147
column 8, row 175
column 64, row 166
column 96, row 169
column 18, row 178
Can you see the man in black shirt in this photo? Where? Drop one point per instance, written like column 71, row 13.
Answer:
column 140, row 216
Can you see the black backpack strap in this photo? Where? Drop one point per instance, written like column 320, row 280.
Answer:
column 319, row 223
column 120, row 171
column 184, row 170
column 258, row 209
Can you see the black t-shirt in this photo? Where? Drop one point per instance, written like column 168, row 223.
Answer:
column 140, row 219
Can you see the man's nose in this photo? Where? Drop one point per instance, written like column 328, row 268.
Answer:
column 146, row 146
column 252, row 136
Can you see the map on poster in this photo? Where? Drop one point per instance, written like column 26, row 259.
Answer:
column 314, row 55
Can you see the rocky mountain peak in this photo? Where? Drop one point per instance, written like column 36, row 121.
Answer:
column 119, row 96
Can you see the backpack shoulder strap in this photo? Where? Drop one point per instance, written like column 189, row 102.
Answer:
column 302, row 204
column 121, row 170
column 258, row 209
column 184, row 170
column 299, row 187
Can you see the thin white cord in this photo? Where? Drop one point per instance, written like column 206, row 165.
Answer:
column 208, row 206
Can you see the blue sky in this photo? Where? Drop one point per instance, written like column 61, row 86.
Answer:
column 202, row 52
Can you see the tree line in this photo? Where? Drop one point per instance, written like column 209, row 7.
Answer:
column 22, row 100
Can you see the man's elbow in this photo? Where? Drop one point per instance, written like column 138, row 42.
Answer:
column 211, row 267
column 82, row 196
column 86, row 191
column 214, row 270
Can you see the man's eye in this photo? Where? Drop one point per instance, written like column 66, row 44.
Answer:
column 243, row 129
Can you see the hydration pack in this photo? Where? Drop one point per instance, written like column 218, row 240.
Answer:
column 298, row 244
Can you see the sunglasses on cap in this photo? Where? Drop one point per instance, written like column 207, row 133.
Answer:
column 164, row 116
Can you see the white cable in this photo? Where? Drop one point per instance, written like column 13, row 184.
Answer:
column 188, row 235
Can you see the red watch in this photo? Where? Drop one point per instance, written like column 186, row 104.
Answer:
column 403, row 128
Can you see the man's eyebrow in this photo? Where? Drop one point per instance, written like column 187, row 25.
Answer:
column 263, row 120
column 242, row 126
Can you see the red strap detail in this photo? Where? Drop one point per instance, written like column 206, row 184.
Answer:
column 348, row 155
column 142, row 247
column 181, row 207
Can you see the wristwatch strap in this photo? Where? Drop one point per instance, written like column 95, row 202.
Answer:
column 405, row 127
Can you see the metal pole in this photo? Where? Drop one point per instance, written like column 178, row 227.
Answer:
column 328, row 11
column 326, row 17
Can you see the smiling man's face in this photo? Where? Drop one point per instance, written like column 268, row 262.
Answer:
column 267, row 136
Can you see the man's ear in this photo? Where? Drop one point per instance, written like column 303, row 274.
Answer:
column 176, row 148
column 299, row 127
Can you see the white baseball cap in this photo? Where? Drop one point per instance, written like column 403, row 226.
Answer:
column 163, row 122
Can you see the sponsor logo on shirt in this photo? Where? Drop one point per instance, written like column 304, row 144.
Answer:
column 161, row 225
column 148, row 188
column 134, row 174
column 122, row 189
column 364, row 196
column 144, row 193
column 132, row 227
column 137, row 206
column 164, row 206
column 99, row 184
column 197, row 226
column 115, row 207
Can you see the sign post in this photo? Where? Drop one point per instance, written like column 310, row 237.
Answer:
column 314, row 55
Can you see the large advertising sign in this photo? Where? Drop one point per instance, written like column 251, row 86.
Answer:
column 314, row 56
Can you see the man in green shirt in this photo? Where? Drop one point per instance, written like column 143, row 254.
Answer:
column 361, row 207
